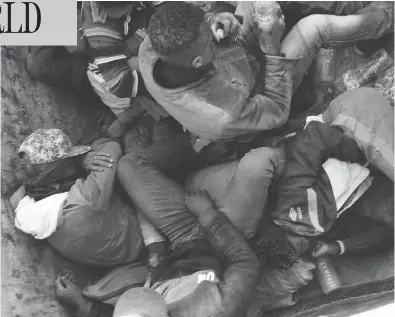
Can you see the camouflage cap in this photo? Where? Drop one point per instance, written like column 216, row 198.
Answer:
column 50, row 145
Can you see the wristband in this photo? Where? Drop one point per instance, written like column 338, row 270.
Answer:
column 342, row 247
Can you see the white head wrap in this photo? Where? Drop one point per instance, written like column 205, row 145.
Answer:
column 40, row 219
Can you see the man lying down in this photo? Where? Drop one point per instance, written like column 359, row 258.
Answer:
column 223, row 277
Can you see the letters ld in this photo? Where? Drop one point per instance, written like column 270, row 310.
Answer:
column 6, row 9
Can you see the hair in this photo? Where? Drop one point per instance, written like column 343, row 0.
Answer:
column 273, row 248
column 173, row 26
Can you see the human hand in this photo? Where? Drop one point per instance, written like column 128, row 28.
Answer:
column 199, row 202
column 97, row 161
column 223, row 25
column 325, row 248
column 300, row 274
column 269, row 23
column 67, row 290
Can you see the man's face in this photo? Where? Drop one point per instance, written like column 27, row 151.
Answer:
column 26, row 165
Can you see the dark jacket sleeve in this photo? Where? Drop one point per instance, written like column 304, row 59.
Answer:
column 314, row 145
column 242, row 265
column 269, row 105
column 306, row 204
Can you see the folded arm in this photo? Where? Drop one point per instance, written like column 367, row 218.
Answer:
column 98, row 187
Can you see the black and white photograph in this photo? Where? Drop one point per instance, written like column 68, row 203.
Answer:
column 197, row 158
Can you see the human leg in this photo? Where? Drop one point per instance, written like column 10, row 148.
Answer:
column 364, row 115
column 294, row 11
column 163, row 145
column 316, row 31
column 154, row 149
column 239, row 189
column 159, row 198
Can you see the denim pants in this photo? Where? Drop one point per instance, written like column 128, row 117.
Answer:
column 238, row 188
column 320, row 30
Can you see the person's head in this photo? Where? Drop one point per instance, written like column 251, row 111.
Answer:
column 45, row 147
column 141, row 302
column 273, row 246
column 181, row 36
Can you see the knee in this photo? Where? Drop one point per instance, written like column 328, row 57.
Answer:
column 126, row 166
column 261, row 162
column 314, row 21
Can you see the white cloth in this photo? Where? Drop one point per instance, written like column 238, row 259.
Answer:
column 344, row 177
column 39, row 218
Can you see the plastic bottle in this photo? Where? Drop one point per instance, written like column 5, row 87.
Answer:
column 327, row 276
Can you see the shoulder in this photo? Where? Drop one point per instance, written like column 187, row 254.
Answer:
column 147, row 58
column 147, row 54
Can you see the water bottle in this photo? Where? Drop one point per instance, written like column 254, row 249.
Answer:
column 327, row 275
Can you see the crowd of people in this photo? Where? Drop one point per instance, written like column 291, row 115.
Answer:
column 200, row 173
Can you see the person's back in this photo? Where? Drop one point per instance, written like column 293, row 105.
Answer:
column 96, row 214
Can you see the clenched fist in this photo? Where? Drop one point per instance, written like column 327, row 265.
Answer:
column 268, row 21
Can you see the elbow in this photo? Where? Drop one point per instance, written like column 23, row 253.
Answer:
column 283, row 116
column 116, row 151
column 278, row 119
column 112, row 148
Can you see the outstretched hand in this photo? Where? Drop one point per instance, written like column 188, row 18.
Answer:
column 97, row 161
